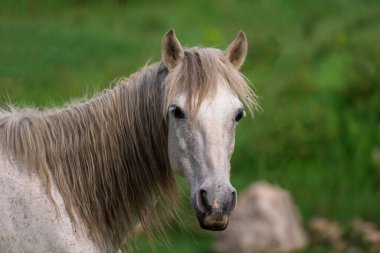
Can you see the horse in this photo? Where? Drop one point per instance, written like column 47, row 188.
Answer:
column 80, row 177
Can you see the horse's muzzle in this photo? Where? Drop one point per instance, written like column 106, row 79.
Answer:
column 213, row 208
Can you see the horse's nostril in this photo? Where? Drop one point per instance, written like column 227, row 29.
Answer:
column 204, row 204
column 233, row 201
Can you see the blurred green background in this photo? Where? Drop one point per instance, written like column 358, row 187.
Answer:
column 314, row 64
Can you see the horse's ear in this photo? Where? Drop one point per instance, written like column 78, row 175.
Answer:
column 237, row 50
column 172, row 51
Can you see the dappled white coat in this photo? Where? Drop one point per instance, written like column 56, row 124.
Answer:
column 28, row 219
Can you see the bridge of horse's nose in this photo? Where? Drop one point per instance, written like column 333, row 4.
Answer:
column 216, row 200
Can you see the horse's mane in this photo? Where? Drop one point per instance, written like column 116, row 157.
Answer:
column 108, row 156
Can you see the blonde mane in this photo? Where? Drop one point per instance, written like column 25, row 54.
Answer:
column 108, row 156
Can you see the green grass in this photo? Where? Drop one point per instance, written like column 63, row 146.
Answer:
column 315, row 66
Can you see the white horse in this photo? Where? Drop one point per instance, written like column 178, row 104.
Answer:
column 79, row 178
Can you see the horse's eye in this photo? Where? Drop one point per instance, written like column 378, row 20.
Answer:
column 178, row 113
column 239, row 115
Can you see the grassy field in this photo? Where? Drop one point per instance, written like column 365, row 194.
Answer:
column 314, row 64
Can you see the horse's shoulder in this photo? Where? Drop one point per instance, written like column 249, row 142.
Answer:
column 28, row 218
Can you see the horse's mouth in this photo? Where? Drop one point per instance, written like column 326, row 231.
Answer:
column 214, row 227
column 213, row 222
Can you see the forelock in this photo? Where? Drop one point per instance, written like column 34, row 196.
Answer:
column 198, row 76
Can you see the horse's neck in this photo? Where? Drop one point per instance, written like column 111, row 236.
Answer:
column 108, row 155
